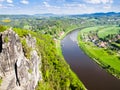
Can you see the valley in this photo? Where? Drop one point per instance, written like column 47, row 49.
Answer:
column 64, row 65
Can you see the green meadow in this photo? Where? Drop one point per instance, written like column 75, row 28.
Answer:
column 108, row 59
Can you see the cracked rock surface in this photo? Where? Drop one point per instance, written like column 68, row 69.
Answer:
column 18, row 72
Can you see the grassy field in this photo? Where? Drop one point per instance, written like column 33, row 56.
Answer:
column 86, row 30
column 108, row 30
column 102, row 31
column 108, row 59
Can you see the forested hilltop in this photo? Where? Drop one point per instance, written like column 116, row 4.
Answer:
column 56, row 73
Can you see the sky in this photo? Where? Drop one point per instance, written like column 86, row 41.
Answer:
column 58, row 6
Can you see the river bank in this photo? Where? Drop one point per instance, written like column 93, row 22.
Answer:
column 59, row 51
column 109, row 62
column 90, row 73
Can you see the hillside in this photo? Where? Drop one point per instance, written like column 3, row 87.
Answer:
column 30, row 61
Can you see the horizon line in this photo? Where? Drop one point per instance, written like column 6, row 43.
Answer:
column 61, row 14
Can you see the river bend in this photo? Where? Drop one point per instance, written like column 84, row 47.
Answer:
column 90, row 73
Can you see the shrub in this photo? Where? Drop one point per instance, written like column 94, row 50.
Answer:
column 0, row 81
column 30, row 71
column 26, row 49
column 2, row 28
column 6, row 39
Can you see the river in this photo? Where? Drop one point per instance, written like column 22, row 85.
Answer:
column 88, row 71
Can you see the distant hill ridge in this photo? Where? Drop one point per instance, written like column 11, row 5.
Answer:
column 98, row 14
column 52, row 15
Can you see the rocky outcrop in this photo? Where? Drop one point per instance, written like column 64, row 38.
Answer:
column 18, row 72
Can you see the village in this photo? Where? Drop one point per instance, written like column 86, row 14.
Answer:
column 109, row 42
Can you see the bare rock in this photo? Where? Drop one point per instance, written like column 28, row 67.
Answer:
column 17, row 72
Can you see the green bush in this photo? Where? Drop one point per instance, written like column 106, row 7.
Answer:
column 6, row 39
column 30, row 71
column 2, row 28
column 21, row 32
column 0, row 81
column 26, row 49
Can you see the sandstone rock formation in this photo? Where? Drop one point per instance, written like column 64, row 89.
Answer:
column 16, row 71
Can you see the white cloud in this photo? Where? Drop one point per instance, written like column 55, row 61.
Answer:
column 76, row 9
column 74, row 5
column 99, row 1
column 106, row 1
column 24, row 2
column 1, row 5
column 93, row 1
column 46, row 4
column 68, row 8
column 9, row 1
column 91, row 6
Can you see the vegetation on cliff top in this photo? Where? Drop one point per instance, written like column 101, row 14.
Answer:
column 2, row 28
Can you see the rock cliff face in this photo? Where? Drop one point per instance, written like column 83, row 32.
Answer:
column 16, row 71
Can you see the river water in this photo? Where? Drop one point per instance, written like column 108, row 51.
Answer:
column 90, row 73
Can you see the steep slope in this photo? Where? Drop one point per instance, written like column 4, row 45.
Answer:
column 17, row 70
column 29, row 61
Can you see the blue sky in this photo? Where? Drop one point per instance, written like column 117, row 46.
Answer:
column 58, row 6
